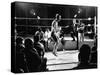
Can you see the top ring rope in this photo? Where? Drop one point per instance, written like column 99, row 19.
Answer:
column 22, row 18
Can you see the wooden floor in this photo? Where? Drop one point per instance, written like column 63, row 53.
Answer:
column 63, row 60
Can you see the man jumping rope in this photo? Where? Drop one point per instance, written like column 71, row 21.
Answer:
column 55, row 30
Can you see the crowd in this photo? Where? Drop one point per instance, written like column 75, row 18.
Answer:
column 30, row 55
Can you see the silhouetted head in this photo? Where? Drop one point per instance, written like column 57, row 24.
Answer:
column 19, row 41
column 28, row 43
column 36, row 38
column 84, row 53
column 19, row 44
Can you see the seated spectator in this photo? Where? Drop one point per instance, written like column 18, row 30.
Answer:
column 84, row 58
column 39, row 33
column 94, row 55
column 19, row 44
column 94, row 52
column 40, row 49
column 20, row 63
column 39, row 46
column 33, row 60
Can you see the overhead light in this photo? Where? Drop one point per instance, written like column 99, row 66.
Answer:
column 89, row 18
column 14, row 17
column 34, row 13
column 79, row 11
column 75, row 15
column 38, row 17
column 89, row 24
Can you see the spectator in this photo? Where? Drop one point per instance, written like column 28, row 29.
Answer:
column 20, row 63
column 40, row 34
column 94, row 55
column 38, row 46
column 40, row 49
column 94, row 52
column 32, row 58
column 84, row 58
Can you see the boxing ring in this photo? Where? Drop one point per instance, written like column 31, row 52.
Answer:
column 67, row 57
column 67, row 53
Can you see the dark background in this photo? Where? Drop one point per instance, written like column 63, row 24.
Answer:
column 29, row 26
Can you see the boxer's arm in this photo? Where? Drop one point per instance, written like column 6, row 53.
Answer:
column 52, row 26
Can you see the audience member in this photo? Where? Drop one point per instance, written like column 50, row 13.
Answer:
column 40, row 34
column 94, row 51
column 39, row 46
column 84, row 58
column 20, row 63
column 33, row 60
column 94, row 55
column 40, row 49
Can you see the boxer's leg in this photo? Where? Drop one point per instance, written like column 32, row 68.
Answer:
column 55, row 46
